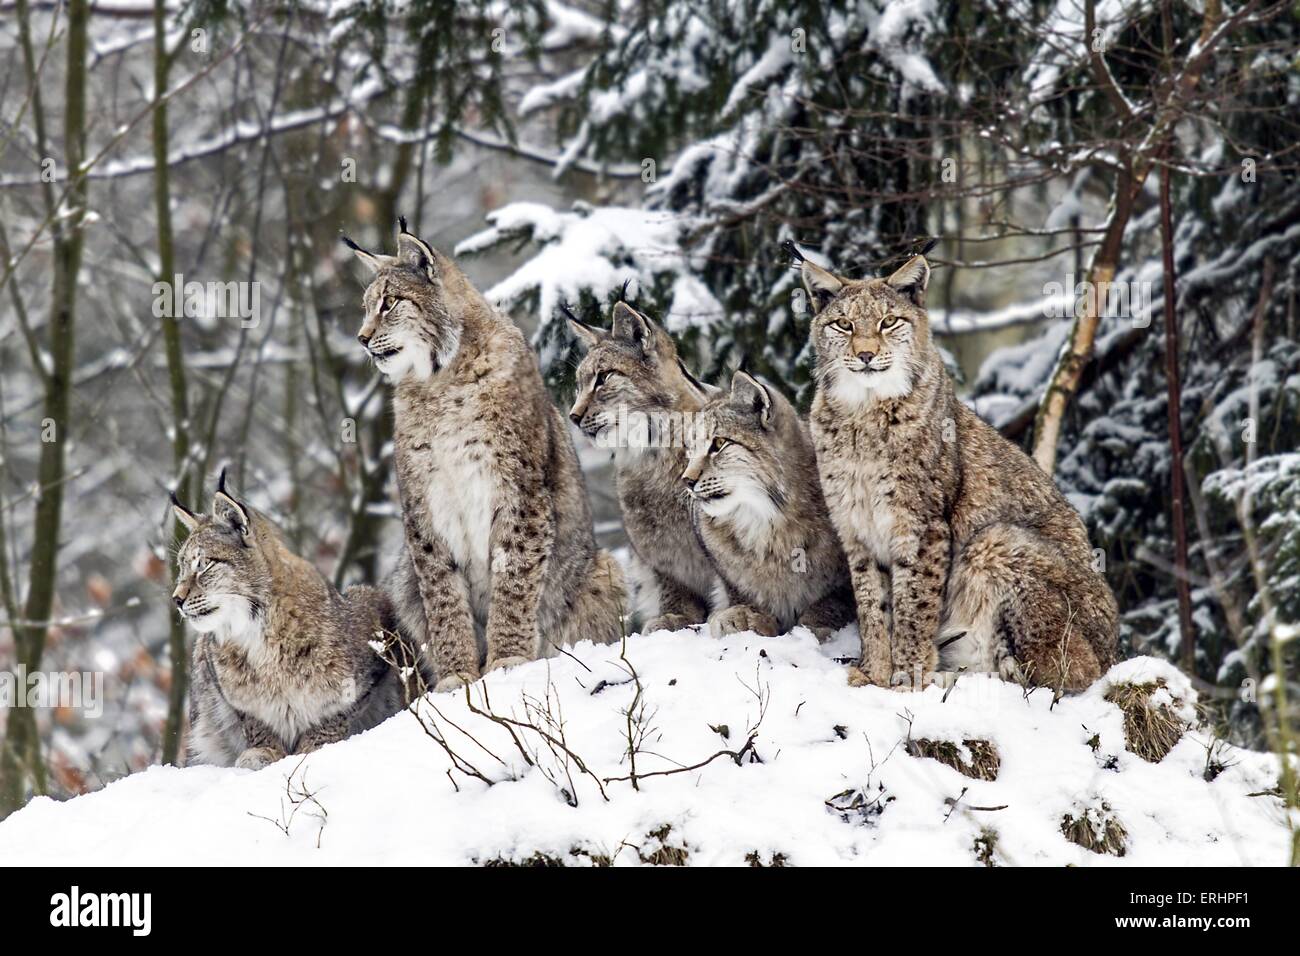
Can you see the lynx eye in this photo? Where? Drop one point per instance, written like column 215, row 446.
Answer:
column 603, row 377
column 386, row 304
column 718, row 445
column 889, row 322
column 841, row 327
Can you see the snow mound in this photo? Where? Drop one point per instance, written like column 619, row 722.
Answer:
column 789, row 765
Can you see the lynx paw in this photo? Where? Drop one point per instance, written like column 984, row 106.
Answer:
column 740, row 617
column 451, row 682
column 869, row 674
column 915, row 683
column 1009, row 670
column 501, row 663
column 255, row 758
column 823, row 634
column 858, row 677
column 667, row 622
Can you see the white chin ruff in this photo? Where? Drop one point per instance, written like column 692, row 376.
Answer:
column 857, row 388
column 415, row 361
column 231, row 622
column 749, row 510
column 410, row 362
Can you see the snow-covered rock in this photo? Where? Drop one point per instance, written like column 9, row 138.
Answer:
column 830, row 777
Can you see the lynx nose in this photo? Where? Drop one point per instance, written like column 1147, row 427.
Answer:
column 690, row 479
column 363, row 339
column 866, row 357
column 575, row 418
column 180, row 601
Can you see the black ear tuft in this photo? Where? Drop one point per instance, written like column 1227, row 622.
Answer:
column 221, row 481
column 568, row 313
column 347, row 241
column 791, row 250
column 623, row 294
column 929, row 244
column 401, row 224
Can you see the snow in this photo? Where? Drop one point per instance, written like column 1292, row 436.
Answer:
column 595, row 249
column 386, row 797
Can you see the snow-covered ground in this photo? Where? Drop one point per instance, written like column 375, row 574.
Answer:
column 833, row 782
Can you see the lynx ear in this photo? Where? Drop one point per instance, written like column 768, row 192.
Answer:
column 186, row 517
column 752, row 395
column 584, row 333
column 822, row 285
column 413, row 251
column 369, row 258
column 912, row 278
column 633, row 327
column 228, row 511
column 706, row 390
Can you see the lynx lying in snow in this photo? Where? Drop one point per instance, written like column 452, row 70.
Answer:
column 758, row 510
column 283, row 663
column 939, row 514
column 633, row 370
column 501, row 565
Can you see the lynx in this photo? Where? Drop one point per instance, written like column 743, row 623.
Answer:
column 632, row 374
column 283, row 663
column 500, row 564
column 950, row 530
column 758, row 510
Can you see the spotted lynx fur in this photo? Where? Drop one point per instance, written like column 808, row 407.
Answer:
column 283, row 663
column 758, row 511
column 945, row 523
column 500, row 564
column 634, row 395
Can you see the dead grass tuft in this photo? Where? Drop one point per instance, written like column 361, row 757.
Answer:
column 544, row 860
column 983, row 764
column 986, row 846
column 537, row 860
column 666, row 854
column 1096, row 829
column 1150, row 730
column 777, row 859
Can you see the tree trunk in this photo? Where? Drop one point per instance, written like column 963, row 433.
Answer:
column 21, row 760
column 361, row 546
column 1136, row 156
column 1177, row 500
column 1064, row 382
column 171, row 737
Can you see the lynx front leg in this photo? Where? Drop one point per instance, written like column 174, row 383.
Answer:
column 262, row 745
column 328, row 731
column 741, row 617
column 826, row 616
column 679, row 607
column 450, row 626
column 918, row 582
column 870, row 594
column 523, row 534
